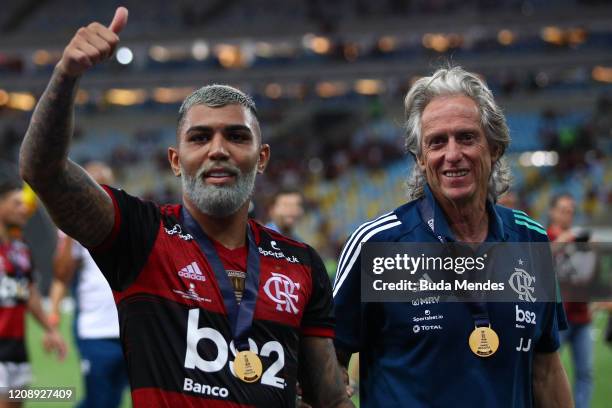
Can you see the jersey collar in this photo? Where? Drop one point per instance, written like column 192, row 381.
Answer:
column 438, row 224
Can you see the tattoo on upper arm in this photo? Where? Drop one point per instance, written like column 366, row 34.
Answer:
column 79, row 206
column 321, row 378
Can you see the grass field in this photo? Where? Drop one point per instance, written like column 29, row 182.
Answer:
column 48, row 372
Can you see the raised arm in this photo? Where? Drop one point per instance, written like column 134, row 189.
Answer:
column 321, row 378
column 77, row 204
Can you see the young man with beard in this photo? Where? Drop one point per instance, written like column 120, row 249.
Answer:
column 191, row 335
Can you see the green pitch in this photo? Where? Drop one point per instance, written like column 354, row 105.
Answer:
column 602, row 370
column 51, row 373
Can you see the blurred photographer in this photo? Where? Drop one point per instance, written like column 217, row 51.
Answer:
column 576, row 266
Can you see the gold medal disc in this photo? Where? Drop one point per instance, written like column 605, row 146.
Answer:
column 247, row 366
column 483, row 341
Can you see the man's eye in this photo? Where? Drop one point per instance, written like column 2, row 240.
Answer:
column 467, row 137
column 198, row 137
column 436, row 141
column 238, row 137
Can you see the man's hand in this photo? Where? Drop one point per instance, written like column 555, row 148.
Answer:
column 53, row 341
column 92, row 45
column 550, row 385
column 320, row 375
column 344, row 357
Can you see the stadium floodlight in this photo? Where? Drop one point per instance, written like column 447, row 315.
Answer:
column 124, row 56
column 200, row 50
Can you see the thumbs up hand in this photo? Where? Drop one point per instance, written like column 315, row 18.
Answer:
column 92, row 45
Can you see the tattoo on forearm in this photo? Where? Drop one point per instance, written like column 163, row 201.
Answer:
column 321, row 375
column 47, row 139
column 75, row 202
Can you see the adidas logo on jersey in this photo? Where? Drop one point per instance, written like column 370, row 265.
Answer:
column 193, row 272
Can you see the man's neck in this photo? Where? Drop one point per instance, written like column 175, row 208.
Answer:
column 469, row 222
column 229, row 231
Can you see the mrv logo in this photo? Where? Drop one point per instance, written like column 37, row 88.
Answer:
column 219, row 353
column 524, row 316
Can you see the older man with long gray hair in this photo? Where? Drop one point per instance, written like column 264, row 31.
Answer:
column 469, row 357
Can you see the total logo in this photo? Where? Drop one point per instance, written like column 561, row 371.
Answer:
column 425, row 327
column 524, row 316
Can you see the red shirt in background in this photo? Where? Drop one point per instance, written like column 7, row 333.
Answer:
column 576, row 312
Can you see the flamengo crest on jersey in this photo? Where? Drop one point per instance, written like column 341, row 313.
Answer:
column 282, row 290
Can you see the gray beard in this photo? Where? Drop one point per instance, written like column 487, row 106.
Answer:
column 218, row 201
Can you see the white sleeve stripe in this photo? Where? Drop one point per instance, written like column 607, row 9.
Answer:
column 344, row 273
column 349, row 247
column 354, row 236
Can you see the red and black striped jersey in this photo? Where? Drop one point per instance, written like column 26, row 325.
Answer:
column 174, row 328
column 15, row 279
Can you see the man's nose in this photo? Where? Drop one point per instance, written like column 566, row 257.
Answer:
column 218, row 149
column 453, row 151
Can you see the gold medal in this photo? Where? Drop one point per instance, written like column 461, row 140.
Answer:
column 247, row 366
column 483, row 341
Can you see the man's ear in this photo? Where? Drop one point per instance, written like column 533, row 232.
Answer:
column 173, row 158
column 264, row 158
column 420, row 160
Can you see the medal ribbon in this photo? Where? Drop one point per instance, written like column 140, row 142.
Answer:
column 479, row 311
column 240, row 315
